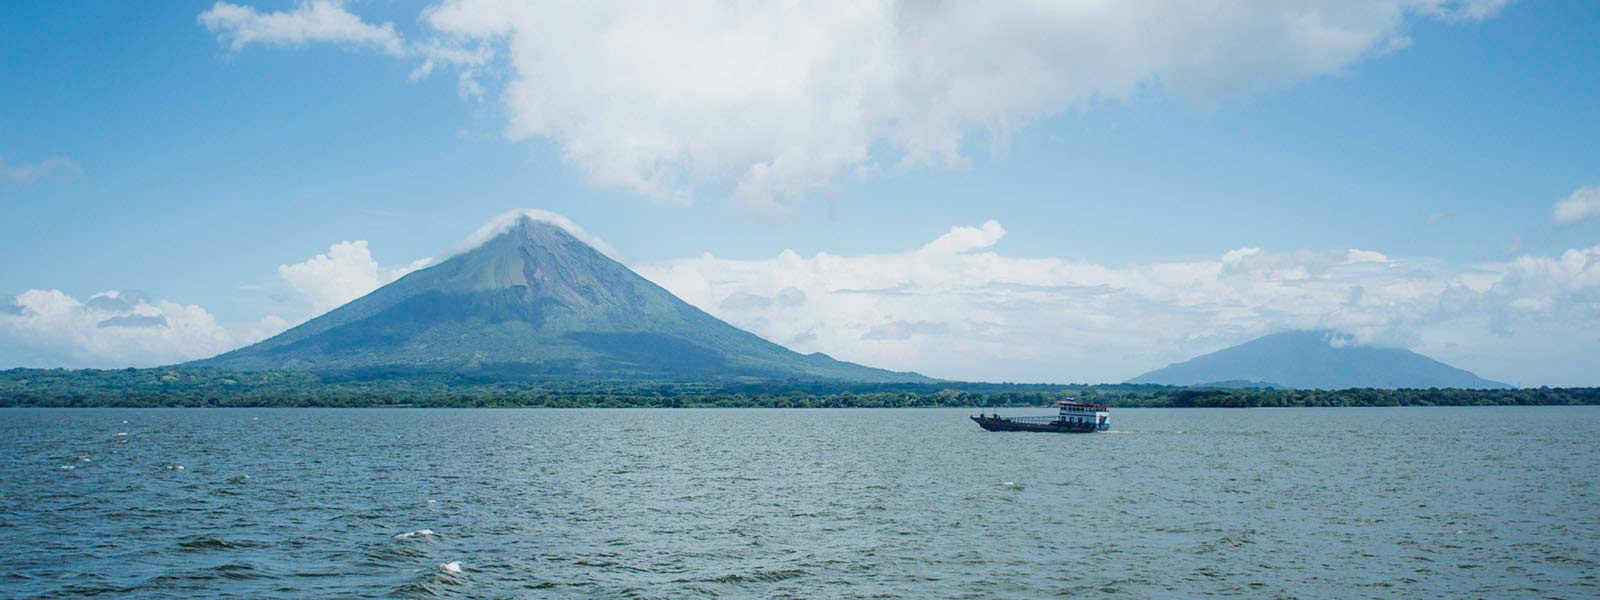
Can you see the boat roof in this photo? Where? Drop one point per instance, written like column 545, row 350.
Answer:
column 1074, row 403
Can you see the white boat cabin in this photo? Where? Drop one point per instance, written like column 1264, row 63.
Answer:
column 1084, row 414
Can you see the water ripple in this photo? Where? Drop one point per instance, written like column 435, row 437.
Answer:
column 772, row 503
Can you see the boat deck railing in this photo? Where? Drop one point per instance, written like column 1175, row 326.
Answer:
column 1040, row 420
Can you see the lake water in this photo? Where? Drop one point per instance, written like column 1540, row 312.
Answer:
column 918, row 503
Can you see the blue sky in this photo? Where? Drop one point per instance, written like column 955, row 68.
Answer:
column 149, row 148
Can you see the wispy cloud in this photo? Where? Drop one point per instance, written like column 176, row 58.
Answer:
column 1582, row 204
column 468, row 62
column 49, row 168
column 309, row 21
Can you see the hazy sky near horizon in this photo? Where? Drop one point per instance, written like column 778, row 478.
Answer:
column 1072, row 191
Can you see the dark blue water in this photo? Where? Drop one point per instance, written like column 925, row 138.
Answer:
column 1381, row 503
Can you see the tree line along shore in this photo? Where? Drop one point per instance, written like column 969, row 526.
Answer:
column 204, row 387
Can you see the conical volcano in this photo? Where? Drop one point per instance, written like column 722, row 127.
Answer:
column 1316, row 360
column 534, row 300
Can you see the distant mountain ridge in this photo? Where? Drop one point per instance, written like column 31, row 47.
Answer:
column 535, row 300
column 1313, row 360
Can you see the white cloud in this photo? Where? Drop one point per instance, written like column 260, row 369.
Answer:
column 47, row 328
column 973, row 313
column 1238, row 255
column 59, row 166
column 1582, row 204
column 469, row 62
column 1360, row 256
column 1467, row 10
column 346, row 272
column 775, row 100
column 962, row 239
column 506, row 220
column 956, row 307
column 310, row 21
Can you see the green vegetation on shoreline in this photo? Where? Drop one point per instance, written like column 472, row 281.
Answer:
column 204, row 387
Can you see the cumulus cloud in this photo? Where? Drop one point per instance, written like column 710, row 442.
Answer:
column 970, row 312
column 309, row 21
column 346, row 272
column 774, row 100
column 117, row 301
column 956, row 307
column 1582, row 204
column 49, row 168
column 48, row 328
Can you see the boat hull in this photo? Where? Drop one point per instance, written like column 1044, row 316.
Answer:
column 1004, row 424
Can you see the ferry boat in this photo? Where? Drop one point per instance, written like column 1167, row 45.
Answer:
column 1074, row 417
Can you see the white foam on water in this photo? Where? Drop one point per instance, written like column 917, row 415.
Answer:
column 174, row 467
column 66, row 468
column 411, row 534
column 453, row 567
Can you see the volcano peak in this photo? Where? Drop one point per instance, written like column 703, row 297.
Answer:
column 531, row 294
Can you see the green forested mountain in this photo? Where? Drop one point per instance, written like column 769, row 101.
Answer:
column 1312, row 360
column 535, row 301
